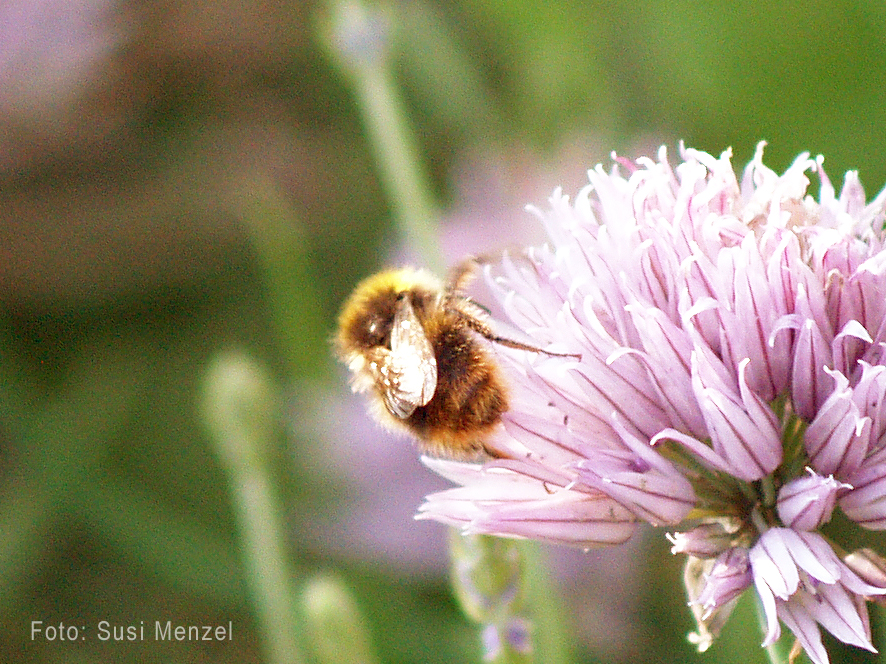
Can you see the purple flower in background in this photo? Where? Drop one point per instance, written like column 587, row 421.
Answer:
column 728, row 382
column 48, row 51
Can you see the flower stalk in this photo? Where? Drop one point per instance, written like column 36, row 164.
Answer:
column 240, row 412
column 359, row 38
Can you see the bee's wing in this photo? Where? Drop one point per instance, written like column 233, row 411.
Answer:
column 409, row 372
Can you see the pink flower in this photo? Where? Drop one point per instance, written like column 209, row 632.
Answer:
column 728, row 380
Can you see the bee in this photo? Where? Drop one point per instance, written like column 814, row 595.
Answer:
column 411, row 342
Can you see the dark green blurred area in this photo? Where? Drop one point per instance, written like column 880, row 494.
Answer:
column 160, row 162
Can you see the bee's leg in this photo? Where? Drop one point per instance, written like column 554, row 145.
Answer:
column 462, row 273
column 491, row 453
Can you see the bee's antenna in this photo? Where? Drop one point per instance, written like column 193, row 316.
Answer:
column 479, row 326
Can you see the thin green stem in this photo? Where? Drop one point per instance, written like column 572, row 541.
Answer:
column 285, row 256
column 241, row 415
column 543, row 597
column 398, row 159
column 359, row 39
column 258, row 508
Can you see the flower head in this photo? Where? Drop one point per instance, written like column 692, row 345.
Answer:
column 726, row 378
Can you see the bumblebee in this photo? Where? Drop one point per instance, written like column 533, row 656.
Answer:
column 412, row 344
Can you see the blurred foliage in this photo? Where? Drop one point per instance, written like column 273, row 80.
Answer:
column 182, row 178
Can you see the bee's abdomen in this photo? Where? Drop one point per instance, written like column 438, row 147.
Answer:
column 469, row 400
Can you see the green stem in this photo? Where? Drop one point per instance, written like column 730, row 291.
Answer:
column 358, row 37
column 258, row 508
column 241, row 415
column 398, row 159
column 284, row 255
column 543, row 595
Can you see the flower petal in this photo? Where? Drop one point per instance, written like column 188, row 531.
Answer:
column 865, row 503
column 639, row 479
column 729, row 576
column 742, row 428
column 499, row 501
column 837, row 439
column 807, row 502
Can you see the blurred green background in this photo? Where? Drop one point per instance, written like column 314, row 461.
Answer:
column 180, row 180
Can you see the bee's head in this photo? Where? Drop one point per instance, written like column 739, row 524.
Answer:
column 368, row 314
